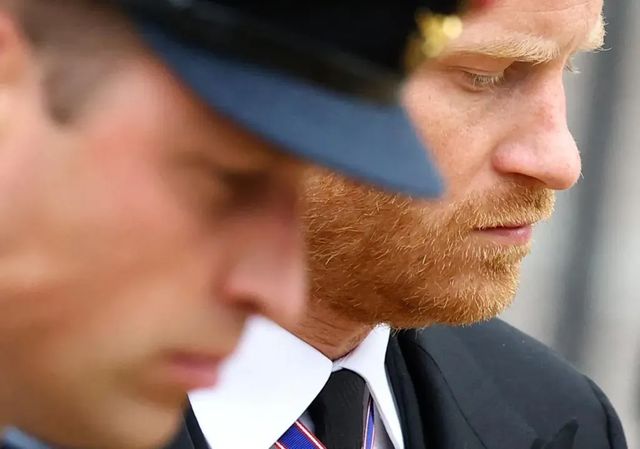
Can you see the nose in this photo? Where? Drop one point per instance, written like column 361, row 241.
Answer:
column 539, row 144
column 267, row 274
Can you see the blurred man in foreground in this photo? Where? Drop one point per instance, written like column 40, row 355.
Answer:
column 493, row 108
column 149, row 171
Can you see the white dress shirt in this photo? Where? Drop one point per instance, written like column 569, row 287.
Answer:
column 272, row 379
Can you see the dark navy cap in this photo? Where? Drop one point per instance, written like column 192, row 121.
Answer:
column 319, row 79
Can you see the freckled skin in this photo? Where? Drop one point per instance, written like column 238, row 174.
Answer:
column 498, row 131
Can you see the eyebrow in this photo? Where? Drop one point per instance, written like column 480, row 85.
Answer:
column 525, row 47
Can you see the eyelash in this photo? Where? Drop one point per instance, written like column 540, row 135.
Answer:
column 484, row 82
column 488, row 82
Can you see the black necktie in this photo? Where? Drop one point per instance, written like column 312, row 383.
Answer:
column 338, row 411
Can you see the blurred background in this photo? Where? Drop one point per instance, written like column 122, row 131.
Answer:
column 580, row 292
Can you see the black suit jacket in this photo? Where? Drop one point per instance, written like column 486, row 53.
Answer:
column 486, row 386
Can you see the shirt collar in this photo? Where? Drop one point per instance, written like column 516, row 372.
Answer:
column 274, row 376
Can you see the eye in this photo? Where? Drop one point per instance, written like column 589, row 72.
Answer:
column 213, row 189
column 246, row 188
column 481, row 82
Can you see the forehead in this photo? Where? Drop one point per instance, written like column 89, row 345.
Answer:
column 570, row 24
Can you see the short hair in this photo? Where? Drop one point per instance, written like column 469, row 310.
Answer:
column 78, row 43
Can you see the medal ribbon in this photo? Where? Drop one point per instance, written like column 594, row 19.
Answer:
column 299, row 437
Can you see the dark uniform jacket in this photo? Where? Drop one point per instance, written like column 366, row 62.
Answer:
column 486, row 386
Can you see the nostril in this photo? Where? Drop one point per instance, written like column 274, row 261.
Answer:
column 267, row 274
column 247, row 305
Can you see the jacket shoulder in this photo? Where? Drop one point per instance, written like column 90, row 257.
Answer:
column 537, row 382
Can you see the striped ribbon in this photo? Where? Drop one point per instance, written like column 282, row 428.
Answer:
column 299, row 437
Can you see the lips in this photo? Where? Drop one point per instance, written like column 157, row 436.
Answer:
column 193, row 371
column 519, row 234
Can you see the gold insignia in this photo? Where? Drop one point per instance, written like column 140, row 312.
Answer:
column 434, row 33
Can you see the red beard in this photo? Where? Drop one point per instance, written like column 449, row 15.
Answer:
column 377, row 258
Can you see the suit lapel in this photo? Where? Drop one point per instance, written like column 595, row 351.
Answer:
column 432, row 414
column 190, row 435
column 406, row 398
column 460, row 406
column 182, row 440
column 195, row 432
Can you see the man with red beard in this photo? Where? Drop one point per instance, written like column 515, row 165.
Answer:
column 151, row 158
column 493, row 108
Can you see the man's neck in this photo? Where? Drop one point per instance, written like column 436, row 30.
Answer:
column 328, row 332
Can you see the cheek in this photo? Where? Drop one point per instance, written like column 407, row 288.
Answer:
column 106, row 264
column 115, row 319
column 458, row 148
column 459, row 128
column 109, row 266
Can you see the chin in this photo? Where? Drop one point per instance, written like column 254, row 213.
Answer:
column 131, row 427
column 462, row 314
column 149, row 438
column 474, row 305
column 152, row 429
column 464, row 304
